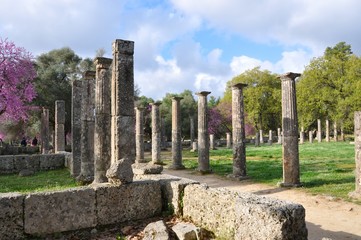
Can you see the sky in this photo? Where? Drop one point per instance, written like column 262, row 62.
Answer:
column 187, row 44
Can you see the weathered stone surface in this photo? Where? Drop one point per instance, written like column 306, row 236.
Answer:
column 156, row 133
column 44, row 133
column 60, row 211
column 279, row 136
column 27, row 162
column 11, row 216
column 59, row 126
column 261, row 141
column 7, row 164
column 75, row 164
column 120, row 171
column 229, row 141
column 203, row 136
column 147, row 168
column 319, row 131
column 187, row 231
column 291, row 170
column 26, row 172
column 139, row 135
column 176, row 134
column 52, row 161
column 357, row 132
column 134, row 201
column 234, row 215
column 156, row 230
column 194, row 147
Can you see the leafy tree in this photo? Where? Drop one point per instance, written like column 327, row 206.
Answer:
column 262, row 98
column 16, row 81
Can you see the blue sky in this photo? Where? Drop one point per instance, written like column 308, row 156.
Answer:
column 187, row 44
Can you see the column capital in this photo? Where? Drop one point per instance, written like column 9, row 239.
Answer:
column 176, row 98
column 139, row 108
column 102, row 62
column 89, row 75
column 203, row 93
column 289, row 76
column 123, row 46
column 157, row 103
column 239, row 85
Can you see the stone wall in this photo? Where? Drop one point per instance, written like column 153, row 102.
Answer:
column 36, row 162
column 14, row 150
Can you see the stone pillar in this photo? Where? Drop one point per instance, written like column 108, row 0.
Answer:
column 176, row 134
column 87, row 129
column 319, row 131
column 335, row 131
column 122, row 111
column 270, row 141
column 45, row 131
column 163, row 137
column 76, row 127
column 194, row 146
column 229, row 141
column 239, row 137
column 357, row 192
column 279, row 136
column 156, row 133
column 327, row 131
column 59, row 126
column 291, row 169
column 302, row 137
column 310, row 136
column 102, row 146
column 261, row 136
column 191, row 122
column 256, row 141
column 139, row 135
column 211, row 142
column 203, row 136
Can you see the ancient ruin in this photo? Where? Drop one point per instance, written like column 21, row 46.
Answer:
column 176, row 134
column 319, row 131
column 156, row 133
column 44, row 139
column 75, row 164
column 139, row 135
column 357, row 130
column 59, row 126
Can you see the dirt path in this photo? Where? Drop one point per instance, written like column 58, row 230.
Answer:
column 325, row 217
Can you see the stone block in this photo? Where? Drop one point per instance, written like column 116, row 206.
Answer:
column 133, row 201
column 26, row 162
column 51, row 161
column 52, row 212
column 156, row 230
column 11, row 216
column 6, row 164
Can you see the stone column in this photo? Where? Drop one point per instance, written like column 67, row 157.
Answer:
column 310, row 136
column 261, row 136
column 357, row 192
column 191, row 122
column 327, row 131
column 102, row 146
column 256, row 141
column 211, row 142
column 319, row 131
column 291, row 169
column 122, row 111
column 302, row 137
column 75, row 165
column 45, row 131
column 194, row 146
column 238, row 127
column 156, row 133
column 335, row 131
column 270, row 141
column 279, row 136
column 59, row 126
column 163, row 138
column 203, row 136
column 229, row 141
column 87, row 129
column 139, row 135
column 176, row 134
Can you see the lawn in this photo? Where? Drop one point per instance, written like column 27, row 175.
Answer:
column 326, row 168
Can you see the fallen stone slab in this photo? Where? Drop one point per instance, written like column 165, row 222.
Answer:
column 147, row 168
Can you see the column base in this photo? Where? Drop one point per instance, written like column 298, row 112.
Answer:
column 84, row 180
column 289, row 185
column 176, row 167
column 354, row 194
column 201, row 171
column 238, row 177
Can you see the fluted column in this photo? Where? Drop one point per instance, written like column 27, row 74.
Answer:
column 238, row 128
column 203, row 136
column 291, row 169
column 156, row 133
column 139, row 135
column 176, row 134
column 44, row 131
column 102, row 146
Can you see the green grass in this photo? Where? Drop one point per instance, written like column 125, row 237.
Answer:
column 326, row 168
column 40, row 181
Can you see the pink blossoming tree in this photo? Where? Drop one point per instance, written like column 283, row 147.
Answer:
column 16, row 81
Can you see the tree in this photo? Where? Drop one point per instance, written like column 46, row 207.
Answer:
column 262, row 98
column 16, row 81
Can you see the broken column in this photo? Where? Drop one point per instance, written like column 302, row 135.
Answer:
column 229, row 141
column 139, row 135
column 291, row 168
column 75, row 164
column 270, row 141
column 279, row 136
column 122, row 111
column 203, row 136
column 211, row 142
column 44, row 131
column 59, row 126
column 102, row 146
column 319, row 131
column 261, row 136
column 87, row 129
column 327, row 139
column 238, row 126
column 176, row 134
column 156, row 133
column 357, row 130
